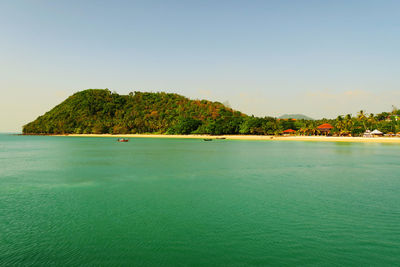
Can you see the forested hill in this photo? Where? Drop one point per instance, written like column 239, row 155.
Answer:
column 101, row 111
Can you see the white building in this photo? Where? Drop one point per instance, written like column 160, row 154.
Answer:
column 376, row 133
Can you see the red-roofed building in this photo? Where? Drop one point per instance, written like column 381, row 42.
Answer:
column 325, row 128
column 289, row 131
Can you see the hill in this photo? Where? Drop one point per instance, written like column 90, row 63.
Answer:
column 101, row 111
column 295, row 116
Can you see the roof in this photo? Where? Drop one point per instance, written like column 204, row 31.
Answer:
column 289, row 131
column 376, row 132
column 325, row 126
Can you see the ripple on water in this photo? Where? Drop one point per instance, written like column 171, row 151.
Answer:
column 157, row 202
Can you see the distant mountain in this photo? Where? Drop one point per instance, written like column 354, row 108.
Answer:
column 295, row 116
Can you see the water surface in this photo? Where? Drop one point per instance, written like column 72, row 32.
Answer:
column 179, row 202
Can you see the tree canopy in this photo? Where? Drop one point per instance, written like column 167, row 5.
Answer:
column 100, row 111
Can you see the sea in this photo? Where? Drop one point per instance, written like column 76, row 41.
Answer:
column 93, row 201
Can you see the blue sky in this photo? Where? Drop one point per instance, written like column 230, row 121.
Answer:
column 320, row 58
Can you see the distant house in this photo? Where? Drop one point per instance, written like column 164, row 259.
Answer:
column 325, row 128
column 376, row 133
column 367, row 133
column 288, row 132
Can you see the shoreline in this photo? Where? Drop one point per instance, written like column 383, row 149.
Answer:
column 392, row 140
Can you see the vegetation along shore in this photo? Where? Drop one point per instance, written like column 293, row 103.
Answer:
column 100, row 111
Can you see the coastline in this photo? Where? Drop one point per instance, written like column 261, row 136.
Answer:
column 392, row 140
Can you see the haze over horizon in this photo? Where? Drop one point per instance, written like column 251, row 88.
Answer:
column 265, row 58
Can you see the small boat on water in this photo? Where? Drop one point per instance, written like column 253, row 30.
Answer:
column 122, row 140
column 221, row 138
column 207, row 139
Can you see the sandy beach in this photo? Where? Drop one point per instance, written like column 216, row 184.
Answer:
column 253, row 137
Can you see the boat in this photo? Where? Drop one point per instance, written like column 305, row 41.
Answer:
column 122, row 140
column 221, row 138
column 207, row 139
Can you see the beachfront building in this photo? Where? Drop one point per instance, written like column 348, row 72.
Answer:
column 288, row 132
column 325, row 128
column 376, row 133
column 367, row 133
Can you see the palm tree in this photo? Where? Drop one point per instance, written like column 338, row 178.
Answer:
column 311, row 128
column 340, row 124
column 362, row 118
column 348, row 123
column 371, row 120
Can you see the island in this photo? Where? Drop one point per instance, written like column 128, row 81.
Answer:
column 98, row 112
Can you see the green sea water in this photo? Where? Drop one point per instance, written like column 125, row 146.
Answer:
column 185, row 202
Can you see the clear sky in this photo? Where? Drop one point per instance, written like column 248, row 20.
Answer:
column 319, row 58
